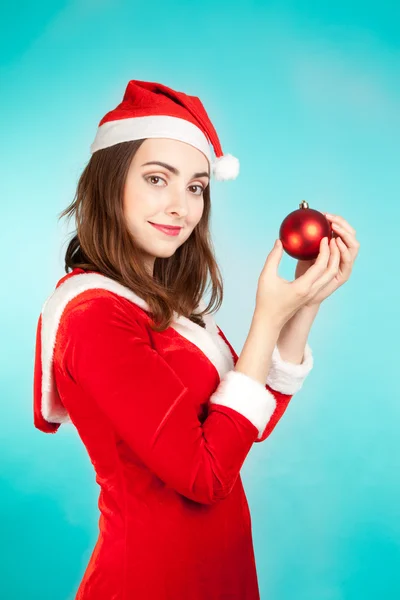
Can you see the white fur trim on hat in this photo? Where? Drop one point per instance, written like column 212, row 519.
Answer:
column 225, row 167
column 154, row 126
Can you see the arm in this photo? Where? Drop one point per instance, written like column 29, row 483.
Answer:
column 108, row 353
column 286, row 375
column 293, row 335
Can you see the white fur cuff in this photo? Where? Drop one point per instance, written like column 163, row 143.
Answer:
column 287, row 377
column 247, row 396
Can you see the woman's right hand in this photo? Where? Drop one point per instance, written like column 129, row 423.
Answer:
column 279, row 299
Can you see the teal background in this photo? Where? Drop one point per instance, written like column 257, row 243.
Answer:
column 307, row 97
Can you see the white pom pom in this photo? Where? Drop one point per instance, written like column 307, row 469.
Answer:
column 225, row 167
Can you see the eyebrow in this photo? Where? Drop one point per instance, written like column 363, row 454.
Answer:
column 174, row 170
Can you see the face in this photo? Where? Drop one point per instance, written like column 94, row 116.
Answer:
column 154, row 193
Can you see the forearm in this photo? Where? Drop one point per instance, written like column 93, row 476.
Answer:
column 256, row 356
column 293, row 335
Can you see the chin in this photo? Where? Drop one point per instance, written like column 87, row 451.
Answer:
column 165, row 253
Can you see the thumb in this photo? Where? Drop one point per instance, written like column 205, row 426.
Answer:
column 274, row 257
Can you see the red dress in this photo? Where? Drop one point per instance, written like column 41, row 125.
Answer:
column 167, row 423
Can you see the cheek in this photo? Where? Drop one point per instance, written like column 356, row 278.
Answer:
column 133, row 211
column 199, row 211
column 137, row 200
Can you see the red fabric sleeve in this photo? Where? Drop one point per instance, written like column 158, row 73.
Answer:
column 282, row 400
column 108, row 353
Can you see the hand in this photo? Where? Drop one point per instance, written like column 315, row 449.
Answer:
column 347, row 245
column 279, row 299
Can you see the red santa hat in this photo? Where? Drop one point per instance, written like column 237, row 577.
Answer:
column 153, row 110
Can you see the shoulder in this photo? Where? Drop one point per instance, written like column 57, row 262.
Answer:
column 93, row 301
column 81, row 290
column 100, row 308
column 97, row 323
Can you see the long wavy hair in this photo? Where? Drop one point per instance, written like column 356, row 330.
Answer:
column 103, row 243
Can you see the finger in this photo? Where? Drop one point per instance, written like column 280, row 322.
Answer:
column 274, row 257
column 333, row 266
column 314, row 272
column 331, row 269
column 340, row 221
column 347, row 237
column 346, row 257
column 342, row 247
column 334, row 260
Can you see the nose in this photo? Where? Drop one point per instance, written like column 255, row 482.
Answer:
column 179, row 203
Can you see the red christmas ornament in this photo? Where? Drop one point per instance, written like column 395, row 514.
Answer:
column 302, row 230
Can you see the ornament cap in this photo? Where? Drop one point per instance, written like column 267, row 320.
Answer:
column 304, row 204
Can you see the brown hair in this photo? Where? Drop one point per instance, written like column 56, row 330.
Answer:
column 102, row 242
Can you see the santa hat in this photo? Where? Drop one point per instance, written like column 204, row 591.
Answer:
column 153, row 110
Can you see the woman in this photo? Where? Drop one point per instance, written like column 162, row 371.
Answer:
column 127, row 351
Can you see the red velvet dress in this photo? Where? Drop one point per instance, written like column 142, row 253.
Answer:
column 167, row 424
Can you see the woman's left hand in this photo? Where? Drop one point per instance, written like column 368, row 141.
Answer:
column 348, row 247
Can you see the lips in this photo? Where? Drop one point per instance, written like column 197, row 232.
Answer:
column 169, row 227
column 170, row 231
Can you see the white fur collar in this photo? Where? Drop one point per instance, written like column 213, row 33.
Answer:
column 207, row 340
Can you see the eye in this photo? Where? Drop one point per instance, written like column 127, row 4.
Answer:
column 154, row 177
column 198, row 186
column 149, row 177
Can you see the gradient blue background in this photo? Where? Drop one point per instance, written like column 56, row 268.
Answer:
column 308, row 98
